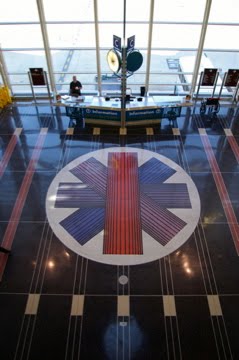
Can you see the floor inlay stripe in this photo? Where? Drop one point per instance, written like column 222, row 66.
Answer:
column 21, row 198
column 222, row 190
column 9, row 150
column 233, row 143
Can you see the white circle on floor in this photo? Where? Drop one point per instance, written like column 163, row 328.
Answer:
column 169, row 206
column 123, row 279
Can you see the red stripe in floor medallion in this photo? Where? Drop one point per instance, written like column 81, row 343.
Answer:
column 222, row 191
column 122, row 233
column 20, row 201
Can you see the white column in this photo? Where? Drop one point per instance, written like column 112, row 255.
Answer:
column 3, row 71
column 151, row 16
column 97, row 45
column 200, row 46
column 46, row 44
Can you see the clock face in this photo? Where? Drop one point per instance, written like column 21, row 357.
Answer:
column 114, row 60
column 134, row 61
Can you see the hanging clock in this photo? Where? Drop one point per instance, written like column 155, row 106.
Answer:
column 134, row 61
column 114, row 60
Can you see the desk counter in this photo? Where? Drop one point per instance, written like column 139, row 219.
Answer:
column 149, row 110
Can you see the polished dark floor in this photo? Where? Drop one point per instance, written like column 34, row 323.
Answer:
column 56, row 304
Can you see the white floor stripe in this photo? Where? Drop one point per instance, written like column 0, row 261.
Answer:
column 176, row 131
column 228, row 132
column 32, row 304
column 149, row 131
column 214, row 305
column 202, row 131
column 18, row 131
column 70, row 131
column 77, row 306
column 123, row 305
column 169, row 305
column 123, row 131
column 96, row 131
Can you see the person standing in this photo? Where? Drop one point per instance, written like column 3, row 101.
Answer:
column 75, row 87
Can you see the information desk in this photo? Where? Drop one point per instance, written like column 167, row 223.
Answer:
column 97, row 110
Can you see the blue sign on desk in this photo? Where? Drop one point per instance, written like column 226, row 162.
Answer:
column 144, row 114
column 103, row 114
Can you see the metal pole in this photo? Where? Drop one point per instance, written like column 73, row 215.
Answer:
column 3, row 71
column 33, row 93
column 215, row 84
column 123, row 73
column 124, row 23
column 200, row 80
column 46, row 44
column 151, row 17
column 200, row 46
column 223, row 82
column 97, row 46
column 235, row 93
column 47, row 84
column 123, row 86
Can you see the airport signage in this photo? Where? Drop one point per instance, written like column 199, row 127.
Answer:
column 130, row 43
column 37, row 76
column 103, row 114
column 209, row 77
column 232, row 77
column 144, row 114
column 117, row 42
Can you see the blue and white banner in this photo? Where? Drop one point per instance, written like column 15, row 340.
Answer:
column 103, row 114
column 144, row 114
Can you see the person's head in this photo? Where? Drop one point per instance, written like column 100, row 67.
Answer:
column 74, row 78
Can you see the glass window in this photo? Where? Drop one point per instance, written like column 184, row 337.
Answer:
column 21, row 36
column 141, row 34
column 108, row 11
column 162, row 89
column 179, row 10
column 72, row 61
column 176, row 36
column 87, row 80
column 224, row 11
column 87, row 88
column 18, row 11
column 106, row 32
column 223, row 60
column 137, row 10
column 178, row 65
column 26, row 89
column 21, row 61
column 70, row 10
column 71, row 35
column 221, row 37
column 136, row 81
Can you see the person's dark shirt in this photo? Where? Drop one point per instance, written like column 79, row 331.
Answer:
column 73, row 86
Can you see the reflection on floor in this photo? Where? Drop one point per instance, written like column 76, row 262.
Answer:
column 123, row 246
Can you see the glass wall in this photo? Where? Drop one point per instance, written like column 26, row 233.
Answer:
column 71, row 30
column 21, row 43
column 221, row 48
column 176, row 32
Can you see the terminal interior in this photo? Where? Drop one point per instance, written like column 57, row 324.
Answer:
column 119, row 234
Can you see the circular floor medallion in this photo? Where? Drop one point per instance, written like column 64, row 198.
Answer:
column 123, row 206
